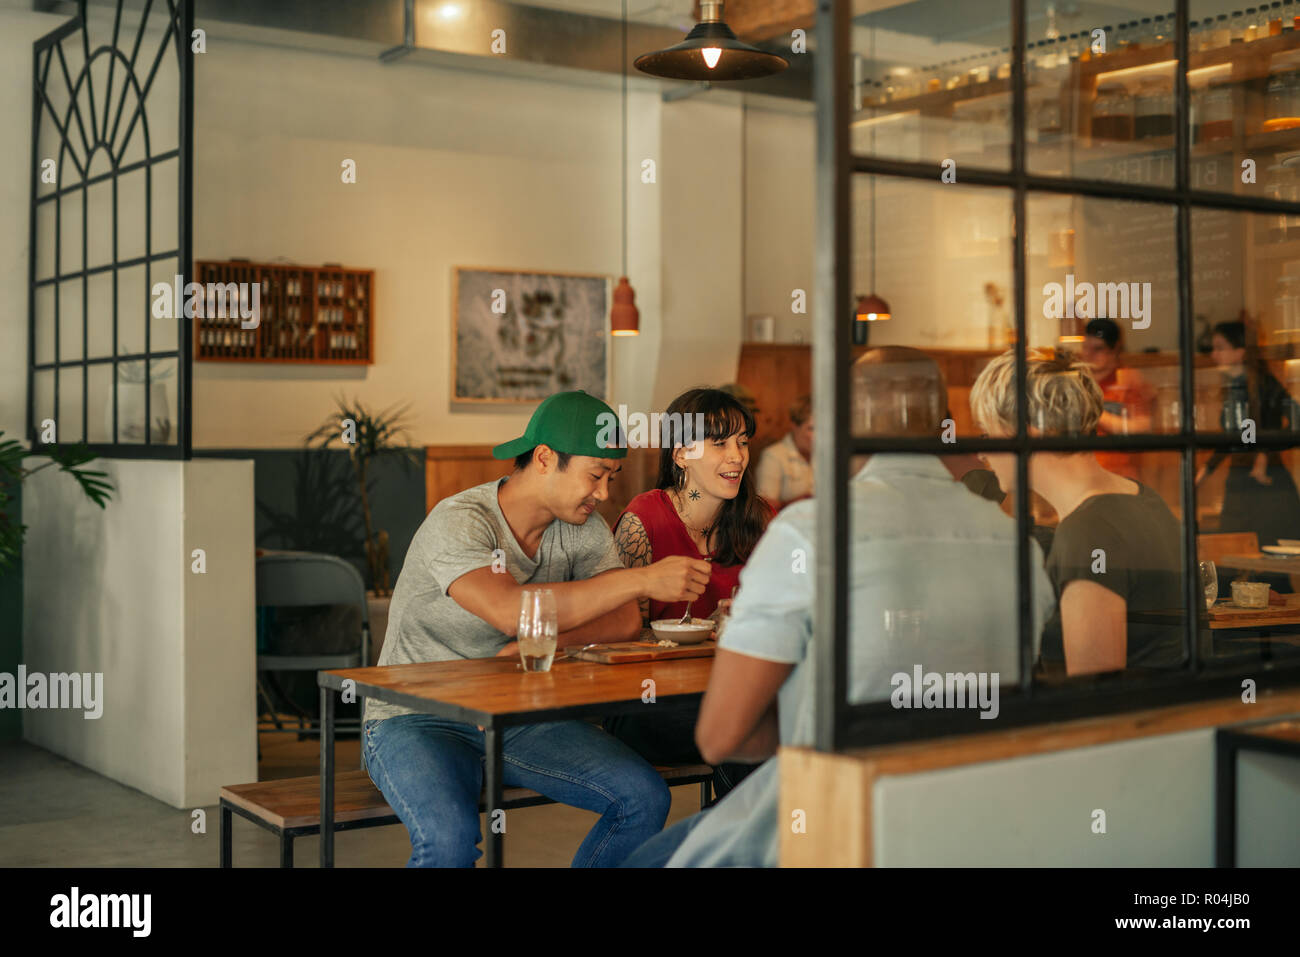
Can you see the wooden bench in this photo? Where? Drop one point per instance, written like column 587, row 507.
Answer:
column 290, row 808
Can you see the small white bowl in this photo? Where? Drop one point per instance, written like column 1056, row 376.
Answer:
column 688, row 633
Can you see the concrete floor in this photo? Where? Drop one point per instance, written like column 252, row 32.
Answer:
column 56, row 813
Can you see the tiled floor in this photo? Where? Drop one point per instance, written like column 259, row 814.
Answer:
column 56, row 813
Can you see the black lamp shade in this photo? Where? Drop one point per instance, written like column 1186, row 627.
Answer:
column 685, row 61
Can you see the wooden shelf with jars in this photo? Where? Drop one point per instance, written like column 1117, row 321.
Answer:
column 322, row 315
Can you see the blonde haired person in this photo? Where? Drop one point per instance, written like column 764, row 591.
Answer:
column 1117, row 549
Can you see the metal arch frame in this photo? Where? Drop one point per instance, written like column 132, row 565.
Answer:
column 179, row 20
column 840, row 724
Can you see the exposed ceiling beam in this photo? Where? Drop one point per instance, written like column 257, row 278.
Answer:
column 757, row 20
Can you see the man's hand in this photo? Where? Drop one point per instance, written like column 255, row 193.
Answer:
column 675, row 578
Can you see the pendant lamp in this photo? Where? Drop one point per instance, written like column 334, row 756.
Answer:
column 624, row 318
column 711, row 52
column 872, row 308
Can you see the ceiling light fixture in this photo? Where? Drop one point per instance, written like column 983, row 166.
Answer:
column 711, row 52
column 624, row 317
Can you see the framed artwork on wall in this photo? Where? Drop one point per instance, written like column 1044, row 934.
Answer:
column 520, row 335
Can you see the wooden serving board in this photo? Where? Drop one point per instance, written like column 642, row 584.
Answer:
column 1227, row 615
column 627, row 652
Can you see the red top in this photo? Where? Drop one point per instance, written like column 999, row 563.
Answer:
column 668, row 536
column 1124, row 389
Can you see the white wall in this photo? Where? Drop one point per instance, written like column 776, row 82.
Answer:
column 1037, row 811
column 780, row 160
column 701, row 210
column 456, row 168
column 112, row 591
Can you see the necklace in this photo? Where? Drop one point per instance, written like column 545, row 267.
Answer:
column 704, row 533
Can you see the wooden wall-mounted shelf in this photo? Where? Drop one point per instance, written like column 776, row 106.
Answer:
column 308, row 314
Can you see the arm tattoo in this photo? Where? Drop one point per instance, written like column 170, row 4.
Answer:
column 634, row 549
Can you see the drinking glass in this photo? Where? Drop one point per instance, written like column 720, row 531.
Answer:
column 538, row 629
column 1209, row 583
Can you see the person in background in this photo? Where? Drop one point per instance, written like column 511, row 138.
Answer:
column 1127, row 398
column 933, row 584
column 1117, row 547
column 1259, row 494
column 458, row 596
column 785, row 472
column 703, row 506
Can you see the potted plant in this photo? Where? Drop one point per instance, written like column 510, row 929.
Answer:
column 368, row 436
column 69, row 458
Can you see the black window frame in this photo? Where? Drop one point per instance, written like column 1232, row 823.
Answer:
column 126, row 46
column 839, row 724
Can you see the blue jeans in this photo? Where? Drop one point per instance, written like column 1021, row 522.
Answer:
column 656, row 851
column 430, row 771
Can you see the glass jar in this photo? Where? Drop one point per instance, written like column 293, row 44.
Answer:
column 1216, row 112
column 1282, row 100
column 1047, row 120
column 1286, row 302
column 1237, row 27
column 1252, row 24
column 1222, row 35
column 1112, row 112
column 1154, row 108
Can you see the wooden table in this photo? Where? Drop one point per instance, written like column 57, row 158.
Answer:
column 1226, row 615
column 1260, row 562
column 497, row 694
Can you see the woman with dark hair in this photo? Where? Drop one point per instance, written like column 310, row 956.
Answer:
column 1260, row 495
column 703, row 506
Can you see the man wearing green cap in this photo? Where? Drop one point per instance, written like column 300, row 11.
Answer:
column 458, row 596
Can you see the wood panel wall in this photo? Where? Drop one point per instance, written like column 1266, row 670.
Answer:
column 449, row 469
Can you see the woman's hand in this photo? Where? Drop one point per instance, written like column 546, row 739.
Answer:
column 1259, row 471
column 509, row 651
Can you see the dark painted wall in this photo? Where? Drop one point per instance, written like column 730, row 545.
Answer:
column 307, row 500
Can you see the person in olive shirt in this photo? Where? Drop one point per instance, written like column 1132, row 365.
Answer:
column 1117, row 549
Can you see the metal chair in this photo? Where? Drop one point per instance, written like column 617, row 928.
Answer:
column 288, row 579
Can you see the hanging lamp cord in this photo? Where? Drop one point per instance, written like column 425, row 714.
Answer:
column 623, row 168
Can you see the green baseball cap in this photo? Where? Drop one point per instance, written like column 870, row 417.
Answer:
column 574, row 423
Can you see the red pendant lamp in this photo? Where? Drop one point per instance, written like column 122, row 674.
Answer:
column 624, row 317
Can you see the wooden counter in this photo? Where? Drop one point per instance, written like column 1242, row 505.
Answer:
column 835, row 791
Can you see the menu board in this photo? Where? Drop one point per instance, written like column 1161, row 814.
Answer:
column 1137, row 242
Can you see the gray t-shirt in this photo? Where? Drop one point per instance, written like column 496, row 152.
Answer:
column 463, row 533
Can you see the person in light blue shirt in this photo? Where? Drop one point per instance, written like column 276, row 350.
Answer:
column 932, row 573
